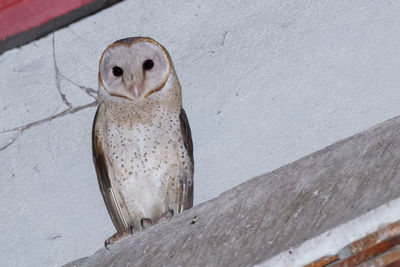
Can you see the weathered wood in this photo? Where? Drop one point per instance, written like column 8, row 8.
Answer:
column 275, row 211
column 388, row 259
column 324, row 261
column 385, row 233
column 363, row 249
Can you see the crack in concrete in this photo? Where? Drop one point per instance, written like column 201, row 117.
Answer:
column 57, row 77
column 22, row 128
column 89, row 91
column 80, row 38
column 70, row 109
column 11, row 142
column 223, row 39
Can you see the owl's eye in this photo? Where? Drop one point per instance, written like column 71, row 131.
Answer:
column 148, row 64
column 117, row 71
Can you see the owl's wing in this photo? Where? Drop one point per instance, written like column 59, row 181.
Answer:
column 104, row 171
column 185, row 186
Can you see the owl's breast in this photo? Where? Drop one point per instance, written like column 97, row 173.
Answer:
column 145, row 156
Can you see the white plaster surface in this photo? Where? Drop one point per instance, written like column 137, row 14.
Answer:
column 264, row 83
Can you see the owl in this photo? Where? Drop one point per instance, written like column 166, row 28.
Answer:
column 141, row 139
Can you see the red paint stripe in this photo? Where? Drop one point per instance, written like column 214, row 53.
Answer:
column 17, row 16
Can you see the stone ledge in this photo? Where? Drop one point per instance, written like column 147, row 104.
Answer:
column 274, row 212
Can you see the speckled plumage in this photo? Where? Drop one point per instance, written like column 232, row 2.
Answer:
column 142, row 147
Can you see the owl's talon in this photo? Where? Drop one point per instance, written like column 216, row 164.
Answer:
column 167, row 215
column 106, row 243
column 116, row 237
column 146, row 223
column 132, row 229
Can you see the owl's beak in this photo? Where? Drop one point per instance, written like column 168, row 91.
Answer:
column 136, row 92
column 136, row 89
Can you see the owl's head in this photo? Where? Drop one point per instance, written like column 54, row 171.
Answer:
column 134, row 68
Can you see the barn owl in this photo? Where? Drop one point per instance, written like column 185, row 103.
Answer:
column 141, row 139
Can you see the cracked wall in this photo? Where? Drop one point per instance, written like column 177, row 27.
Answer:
column 70, row 108
column 263, row 85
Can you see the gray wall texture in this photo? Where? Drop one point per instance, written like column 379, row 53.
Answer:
column 264, row 84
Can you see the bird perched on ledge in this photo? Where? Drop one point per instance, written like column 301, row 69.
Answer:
column 142, row 144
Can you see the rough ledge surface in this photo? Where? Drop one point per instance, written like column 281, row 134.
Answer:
column 275, row 211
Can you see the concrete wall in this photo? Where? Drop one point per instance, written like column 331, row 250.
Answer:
column 263, row 83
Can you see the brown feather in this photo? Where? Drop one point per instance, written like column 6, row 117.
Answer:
column 185, row 185
column 186, row 134
column 128, row 41
column 100, row 162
